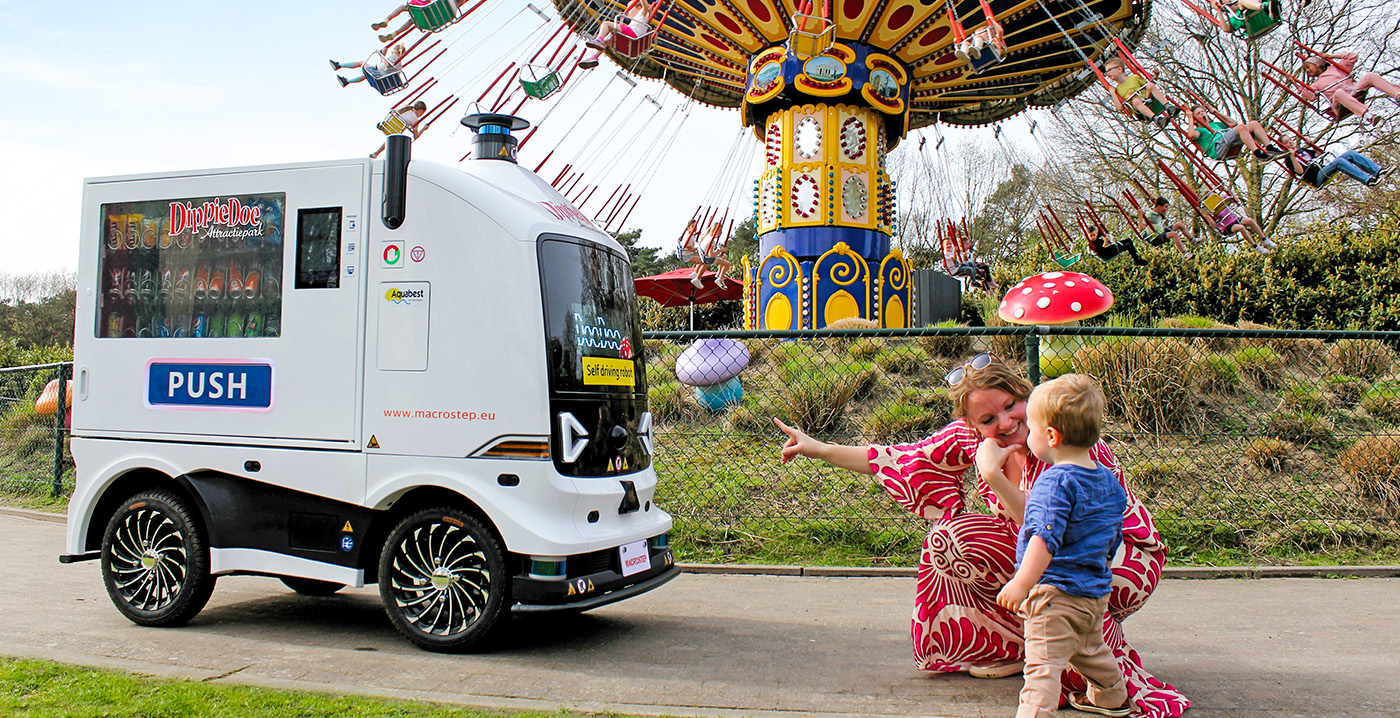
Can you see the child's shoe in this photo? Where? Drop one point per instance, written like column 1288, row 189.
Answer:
column 335, row 65
column 1080, row 702
column 588, row 64
column 343, row 81
column 594, row 44
column 386, row 37
column 721, row 284
column 1160, row 120
column 379, row 25
column 696, row 281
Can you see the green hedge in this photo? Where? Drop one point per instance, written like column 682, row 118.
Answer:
column 1332, row 278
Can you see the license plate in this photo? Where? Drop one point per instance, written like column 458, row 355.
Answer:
column 635, row 557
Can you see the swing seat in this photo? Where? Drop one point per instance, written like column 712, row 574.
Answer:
column 1254, row 25
column 632, row 47
column 393, row 124
column 432, row 15
column 991, row 55
column 382, row 76
column 811, row 36
column 1065, row 261
column 542, row 81
column 1337, row 113
column 1222, row 210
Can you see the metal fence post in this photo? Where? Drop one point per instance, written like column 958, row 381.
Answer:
column 1033, row 355
column 58, row 420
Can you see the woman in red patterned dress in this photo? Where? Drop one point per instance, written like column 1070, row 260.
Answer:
column 967, row 557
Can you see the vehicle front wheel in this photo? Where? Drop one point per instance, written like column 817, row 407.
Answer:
column 443, row 580
column 155, row 560
column 311, row 586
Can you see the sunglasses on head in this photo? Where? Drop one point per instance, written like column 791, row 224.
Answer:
column 981, row 361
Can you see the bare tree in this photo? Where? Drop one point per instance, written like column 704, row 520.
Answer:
column 1093, row 149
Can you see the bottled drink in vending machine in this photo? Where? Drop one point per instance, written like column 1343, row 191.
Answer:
column 116, row 231
column 253, row 325
column 251, row 279
column 235, row 281
column 146, row 288
column 217, row 323
column 234, row 327
column 201, row 326
column 201, row 281
column 182, row 326
column 133, row 230
column 114, row 325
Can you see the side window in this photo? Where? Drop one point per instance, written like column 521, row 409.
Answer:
column 318, row 248
column 197, row 267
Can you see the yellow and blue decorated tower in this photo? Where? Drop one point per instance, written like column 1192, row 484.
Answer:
column 826, row 208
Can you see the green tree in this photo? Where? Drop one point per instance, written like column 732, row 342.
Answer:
column 646, row 261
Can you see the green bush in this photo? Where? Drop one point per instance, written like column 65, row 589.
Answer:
column 1328, row 277
column 817, row 402
column 1304, row 397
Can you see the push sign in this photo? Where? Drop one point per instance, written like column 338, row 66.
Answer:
column 209, row 386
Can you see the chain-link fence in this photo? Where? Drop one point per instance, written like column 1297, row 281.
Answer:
column 1247, row 446
column 34, row 457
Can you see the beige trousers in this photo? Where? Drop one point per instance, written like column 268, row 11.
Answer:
column 1066, row 631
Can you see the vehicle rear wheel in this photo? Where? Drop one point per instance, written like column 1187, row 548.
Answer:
column 443, row 580
column 311, row 586
column 155, row 560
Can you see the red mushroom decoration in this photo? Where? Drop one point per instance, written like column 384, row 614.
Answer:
column 1055, row 298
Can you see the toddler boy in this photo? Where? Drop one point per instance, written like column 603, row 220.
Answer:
column 1072, row 527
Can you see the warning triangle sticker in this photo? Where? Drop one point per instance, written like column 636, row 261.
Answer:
column 373, row 442
column 347, row 528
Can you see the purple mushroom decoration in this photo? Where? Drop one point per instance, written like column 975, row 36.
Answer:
column 712, row 366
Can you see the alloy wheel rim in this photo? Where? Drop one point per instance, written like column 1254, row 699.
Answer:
column 148, row 561
column 439, row 579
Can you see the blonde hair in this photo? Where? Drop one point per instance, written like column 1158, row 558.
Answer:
column 996, row 375
column 1073, row 404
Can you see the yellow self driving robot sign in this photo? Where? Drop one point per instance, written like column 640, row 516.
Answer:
column 609, row 372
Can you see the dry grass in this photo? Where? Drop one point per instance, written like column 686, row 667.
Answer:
column 1217, row 374
column 865, row 348
column 905, row 421
column 854, row 323
column 950, row 347
column 1270, row 455
column 1374, row 465
column 1304, row 397
column 1143, row 380
column 1303, row 427
column 1345, row 390
column 1365, row 358
column 669, row 400
column 1261, row 365
column 908, row 359
column 1279, row 346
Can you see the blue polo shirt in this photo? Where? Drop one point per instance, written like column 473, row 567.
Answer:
column 1078, row 513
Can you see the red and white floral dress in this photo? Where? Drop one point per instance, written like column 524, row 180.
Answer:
column 967, row 557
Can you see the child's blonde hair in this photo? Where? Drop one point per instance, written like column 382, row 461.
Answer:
column 1073, row 404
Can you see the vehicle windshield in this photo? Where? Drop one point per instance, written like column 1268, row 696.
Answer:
column 589, row 303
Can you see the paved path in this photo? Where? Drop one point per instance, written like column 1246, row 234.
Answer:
column 707, row 645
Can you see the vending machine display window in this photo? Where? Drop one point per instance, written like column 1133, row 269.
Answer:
column 203, row 267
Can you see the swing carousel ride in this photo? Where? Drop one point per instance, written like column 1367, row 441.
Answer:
column 827, row 90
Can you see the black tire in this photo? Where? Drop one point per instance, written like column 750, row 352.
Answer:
column 442, row 576
column 311, row 586
column 155, row 560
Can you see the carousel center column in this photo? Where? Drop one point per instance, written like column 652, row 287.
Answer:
column 825, row 205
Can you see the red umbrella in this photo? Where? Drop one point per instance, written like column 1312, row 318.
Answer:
column 673, row 289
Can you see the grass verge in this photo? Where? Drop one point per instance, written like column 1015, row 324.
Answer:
column 34, row 689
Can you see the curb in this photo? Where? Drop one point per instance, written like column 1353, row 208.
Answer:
column 34, row 515
column 1175, row 572
column 748, row 569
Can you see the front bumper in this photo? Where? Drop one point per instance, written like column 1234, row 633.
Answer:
column 594, row 589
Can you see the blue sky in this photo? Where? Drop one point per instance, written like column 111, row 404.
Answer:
column 114, row 88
